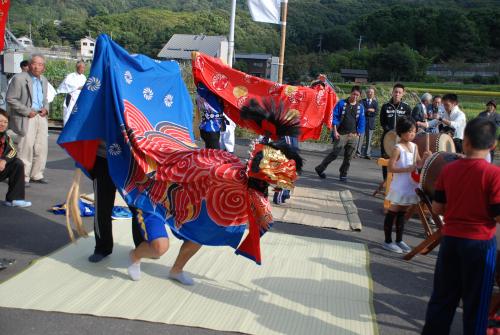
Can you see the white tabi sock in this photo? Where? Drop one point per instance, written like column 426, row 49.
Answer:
column 134, row 270
column 182, row 278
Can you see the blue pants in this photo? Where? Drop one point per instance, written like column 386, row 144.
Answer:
column 464, row 270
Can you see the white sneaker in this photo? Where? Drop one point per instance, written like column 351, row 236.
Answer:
column 392, row 247
column 17, row 203
column 403, row 246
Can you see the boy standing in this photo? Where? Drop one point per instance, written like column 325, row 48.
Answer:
column 390, row 113
column 468, row 194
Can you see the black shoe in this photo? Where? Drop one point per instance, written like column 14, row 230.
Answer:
column 97, row 257
column 367, row 157
column 39, row 181
column 343, row 179
column 320, row 173
column 27, row 185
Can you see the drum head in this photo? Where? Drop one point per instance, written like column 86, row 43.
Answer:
column 431, row 170
column 390, row 140
column 445, row 143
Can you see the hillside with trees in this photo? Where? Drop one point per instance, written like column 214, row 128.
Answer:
column 398, row 38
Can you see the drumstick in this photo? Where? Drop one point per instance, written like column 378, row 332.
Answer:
column 426, row 142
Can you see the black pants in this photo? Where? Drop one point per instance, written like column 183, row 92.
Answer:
column 211, row 139
column 464, row 270
column 458, row 145
column 104, row 197
column 14, row 171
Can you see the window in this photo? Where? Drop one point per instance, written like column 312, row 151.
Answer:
column 91, row 51
column 91, row 44
column 84, row 43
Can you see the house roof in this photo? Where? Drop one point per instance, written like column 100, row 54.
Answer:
column 252, row 56
column 354, row 73
column 180, row 46
column 88, row 38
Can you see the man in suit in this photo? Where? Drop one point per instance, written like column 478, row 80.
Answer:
column 420, row 112
column 28, row 108
column 371, row 109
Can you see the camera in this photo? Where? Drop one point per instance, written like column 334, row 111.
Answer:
column 440, row 118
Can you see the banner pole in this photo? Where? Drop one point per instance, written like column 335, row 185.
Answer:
column 230, row 53
column 284, row 11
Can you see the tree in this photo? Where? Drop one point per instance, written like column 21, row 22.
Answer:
column 397, row 62
column 338, row 38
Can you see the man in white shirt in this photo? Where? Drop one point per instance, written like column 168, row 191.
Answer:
column 454, row 118
column 72, row 85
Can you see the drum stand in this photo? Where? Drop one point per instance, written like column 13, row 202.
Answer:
column 432, row 238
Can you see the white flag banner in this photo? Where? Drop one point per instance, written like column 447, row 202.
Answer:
column 265, row 10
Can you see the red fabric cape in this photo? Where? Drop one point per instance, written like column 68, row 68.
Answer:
column 235, row 88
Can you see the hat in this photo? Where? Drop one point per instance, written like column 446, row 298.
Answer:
column 492, row 102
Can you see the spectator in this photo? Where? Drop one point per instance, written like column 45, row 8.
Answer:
column 72, row 85
column 25, row 66
column 389, row 115
column 436, row 111
column 11, row 167
column 420, row 112
column 491, row 114
column 348, row 124
column 28, row 109
column 370, row 105
column 453, row 119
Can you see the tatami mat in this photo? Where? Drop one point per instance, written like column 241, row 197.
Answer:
column 319, row 208
column 305, row 286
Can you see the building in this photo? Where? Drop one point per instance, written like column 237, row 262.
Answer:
column 87, row 46
column 354, row 75
column 255, row 64
column 180, row 46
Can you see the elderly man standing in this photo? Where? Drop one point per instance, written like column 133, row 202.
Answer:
column 420, row 113
column 72, row 85
column 28, row 109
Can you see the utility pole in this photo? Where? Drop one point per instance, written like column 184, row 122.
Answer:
column 359, row 44
column 320, row 44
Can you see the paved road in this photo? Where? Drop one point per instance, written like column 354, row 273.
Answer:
column 401, row 289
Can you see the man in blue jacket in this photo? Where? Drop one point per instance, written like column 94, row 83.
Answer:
column 348, row 125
